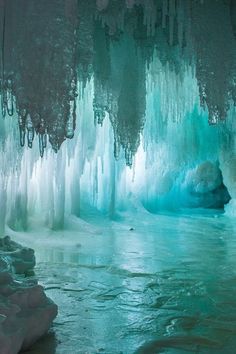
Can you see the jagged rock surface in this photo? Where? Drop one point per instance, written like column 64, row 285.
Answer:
column 26, row 313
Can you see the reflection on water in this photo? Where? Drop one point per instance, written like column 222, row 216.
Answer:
column 168, row 286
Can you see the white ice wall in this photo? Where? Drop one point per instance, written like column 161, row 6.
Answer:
column 177, row 157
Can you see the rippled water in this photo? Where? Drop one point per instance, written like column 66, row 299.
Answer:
column 147, row 284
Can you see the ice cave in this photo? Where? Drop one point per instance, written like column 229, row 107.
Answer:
column 117, row 176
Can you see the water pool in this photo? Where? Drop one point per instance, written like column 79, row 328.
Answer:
column 144, row 284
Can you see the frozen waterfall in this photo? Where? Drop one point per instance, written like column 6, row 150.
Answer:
column 150, row 111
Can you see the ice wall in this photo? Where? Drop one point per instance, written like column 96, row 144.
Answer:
column 227, row 160
column 146, row 95
column 176, row 164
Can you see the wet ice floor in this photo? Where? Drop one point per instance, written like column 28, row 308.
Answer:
column 168, row 286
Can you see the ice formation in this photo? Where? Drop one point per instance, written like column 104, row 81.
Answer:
column 19, row 259
column 148, row 98
column 25, row 311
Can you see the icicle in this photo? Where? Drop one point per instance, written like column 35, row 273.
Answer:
column 99, row 113
column 22, row 113
column 22, row 136
column 128, row 157
column 70, row 122
column 41, row 147
column 3, row 105
column 9, row 98
column 214, row 118
column 42, row 143
column 4, row 98
column 116, row 148
column 42, row 136
column 30, row 131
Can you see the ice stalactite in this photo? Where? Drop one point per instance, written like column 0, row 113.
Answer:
column 173, row 149
column 133, row 83
column 173, row 167
column 215, row 57
column 127, row 80
column 44, row 98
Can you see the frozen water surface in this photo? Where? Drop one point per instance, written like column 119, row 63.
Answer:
column 143, row 284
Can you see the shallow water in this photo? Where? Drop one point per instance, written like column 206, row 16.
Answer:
column 167, row 286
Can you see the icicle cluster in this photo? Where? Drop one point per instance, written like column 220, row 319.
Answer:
column 149, row 74
column 39, row 77
column 47, row 47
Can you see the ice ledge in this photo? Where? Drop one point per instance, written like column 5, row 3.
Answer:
column 26, row 313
